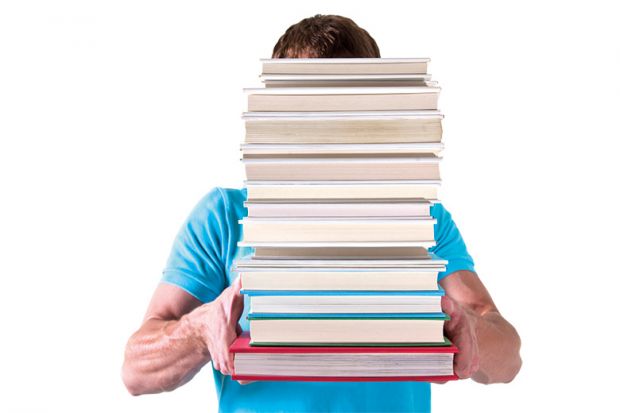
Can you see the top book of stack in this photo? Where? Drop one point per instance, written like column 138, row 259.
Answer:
column 333, row 85
column 346, row 66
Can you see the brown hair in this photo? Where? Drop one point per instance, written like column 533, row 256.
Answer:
column 325, row 36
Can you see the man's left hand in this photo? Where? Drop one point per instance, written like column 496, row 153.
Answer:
column 461, row 330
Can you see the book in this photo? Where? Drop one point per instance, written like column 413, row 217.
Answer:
column 393, row 189
column 340, row 99
column 365, row 168
column 336, row 230
column 430, row 260
column 346, row 127
column 339, row 279
column 307, row 363
column 343, row 302
column 344, row 253
column 318, row 329
column 338, row 208
column 266, row 149
column 346, row 80
column 346, row 66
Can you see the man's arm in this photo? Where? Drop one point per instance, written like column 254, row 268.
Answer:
column 179, row 336
column 489, row 345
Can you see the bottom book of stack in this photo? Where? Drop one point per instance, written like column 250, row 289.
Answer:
column 351, row 363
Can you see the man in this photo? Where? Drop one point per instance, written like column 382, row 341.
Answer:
column 195, row 312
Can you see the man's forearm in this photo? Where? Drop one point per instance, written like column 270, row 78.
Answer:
column 163, row 355
column 498, row 347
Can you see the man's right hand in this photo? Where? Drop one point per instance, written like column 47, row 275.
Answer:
column 217, row 323
column 179, row 336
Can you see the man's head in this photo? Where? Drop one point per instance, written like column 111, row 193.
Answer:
column 325, row 37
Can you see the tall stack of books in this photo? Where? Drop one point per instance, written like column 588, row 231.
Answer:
column 342, row 163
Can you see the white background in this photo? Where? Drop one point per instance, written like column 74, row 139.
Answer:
column 116, row 117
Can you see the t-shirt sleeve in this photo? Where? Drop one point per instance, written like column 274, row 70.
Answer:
column 449, row 243
column 195, row 263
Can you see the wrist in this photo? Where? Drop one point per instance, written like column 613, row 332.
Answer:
column 194, row 326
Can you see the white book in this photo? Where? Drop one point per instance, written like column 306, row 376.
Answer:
column 340, row 149
column 336, row 244
column 383, row 253
column 341, row 99
column 337, row 230
column 387, row 114
column 355, row 168
column 344, row 76
column 346, row 303
column 345, row 66
column 422, row 189
column 338, row 208
column 339, row 279
column 323, row 91
column 325, row 331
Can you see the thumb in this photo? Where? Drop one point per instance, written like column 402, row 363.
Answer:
column 237, row 299
column 236, row 286
column 447, row 305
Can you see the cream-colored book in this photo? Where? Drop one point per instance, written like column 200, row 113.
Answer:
column 342, row 189
column 340, row 279
column 346, row 66
column 324, row 331
column 345, row 80
column 350, row 253
column 342, row 99
column 385, row 127
column 430, row 262
column 391, row 208
column 319, row 302
column 375, row 230
column 265, row 149
column 354, row 168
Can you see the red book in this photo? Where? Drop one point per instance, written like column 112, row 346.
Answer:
column 359, row 363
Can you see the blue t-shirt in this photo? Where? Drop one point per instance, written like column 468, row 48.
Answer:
column 200, row 263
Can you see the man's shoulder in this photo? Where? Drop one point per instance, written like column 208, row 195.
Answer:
column 221, row 201
column 439, row 212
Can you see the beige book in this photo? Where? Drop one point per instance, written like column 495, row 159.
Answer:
column 346, row 66
column 338, row 208
column 342, row 190
column 430, row 262
column 343, row 303
column 346, row 331
column 337, row 230
column 310, row 150
column 343, row 127
column 306, row 279
column 338, row 102
column 343, row 168
column 349, row 83
column 384, row 253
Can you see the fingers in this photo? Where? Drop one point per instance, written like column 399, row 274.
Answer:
column 244, row 382
column 447, row 305
column 223, row 361
column 236, row 285
column 225, row 327
column 467, row 360
column 222, row 358
column 461, row 329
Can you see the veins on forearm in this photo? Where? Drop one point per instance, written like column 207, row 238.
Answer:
column 165, row 355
